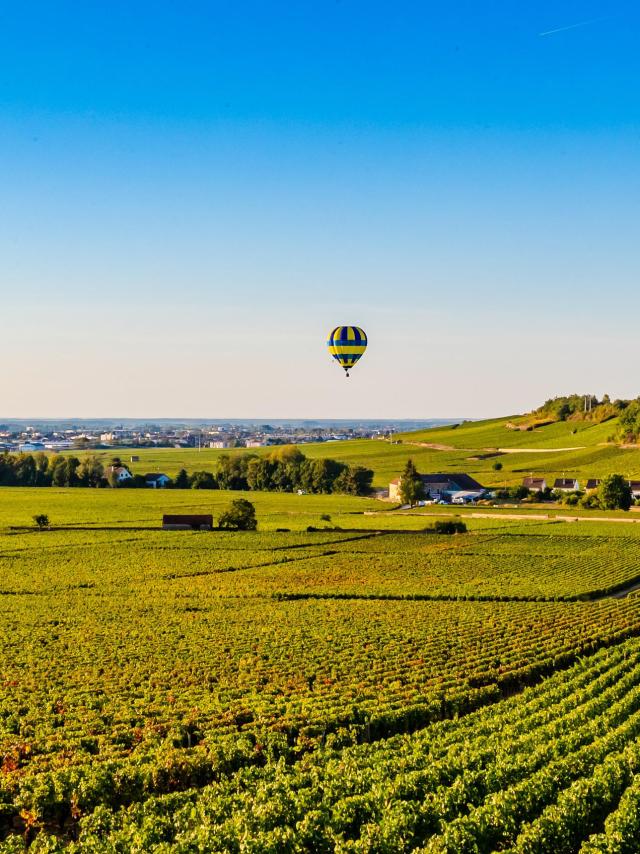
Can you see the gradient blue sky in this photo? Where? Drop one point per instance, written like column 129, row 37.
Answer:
column 193, row 194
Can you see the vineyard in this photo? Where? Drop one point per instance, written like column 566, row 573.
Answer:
column 317, row 691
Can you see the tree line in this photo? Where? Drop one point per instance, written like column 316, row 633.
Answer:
column 285, row 469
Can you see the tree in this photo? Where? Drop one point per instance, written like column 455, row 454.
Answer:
column 25, row 469
column 41, row 520
column 241, row 516
column 497, row 466
column 355, row 480
column 42, row 470
column 411, row 486
column 203, row 480
column 58, row 470
column 182, row 480
column 232, row 471
column 91, row 471
column 72, row 464
column 614, row 493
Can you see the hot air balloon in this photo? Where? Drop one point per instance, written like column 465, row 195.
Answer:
column 347, row 344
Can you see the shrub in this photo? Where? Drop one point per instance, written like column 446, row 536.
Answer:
column 41, row 520
column 590, row 501
column 497, row 466
column 450, row 527
column 513, row 493
column 241, row 516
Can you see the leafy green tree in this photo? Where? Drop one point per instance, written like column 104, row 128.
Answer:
column 259, row 473
column 355, row 480
column 42, row 470
column 497, row 466
column 25, row 469
column 241, row 516
column 72, row 466
column 203, row 480
column 7, row 471
column 232, row 471
column 614, row 493
column 41, row 520
column 58, row 470
column 411, row 486
column 91, row 471
column 320, row 476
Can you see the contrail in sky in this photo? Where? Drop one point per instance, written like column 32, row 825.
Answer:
column 571, row 27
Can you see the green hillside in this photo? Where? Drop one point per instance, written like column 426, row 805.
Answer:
column 495, row 433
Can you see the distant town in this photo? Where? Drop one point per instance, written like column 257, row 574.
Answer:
column 57, row 436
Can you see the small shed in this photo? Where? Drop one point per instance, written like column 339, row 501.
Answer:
column 157, row 481
column 187, row 522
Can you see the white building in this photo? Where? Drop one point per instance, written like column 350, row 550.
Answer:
column 120, row 473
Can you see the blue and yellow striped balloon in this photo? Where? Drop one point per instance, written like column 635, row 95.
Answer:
column 347, row 344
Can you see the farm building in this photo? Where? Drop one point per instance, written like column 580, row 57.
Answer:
column 566, row 484
column 442, row 486
column 187, row 522
column 120, row 473
column 635, row 488
column 535, row 484
column 157, row 481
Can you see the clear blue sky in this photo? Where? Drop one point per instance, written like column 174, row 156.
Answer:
column 194, row 194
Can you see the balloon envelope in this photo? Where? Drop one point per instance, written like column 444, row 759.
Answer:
column 347, row 344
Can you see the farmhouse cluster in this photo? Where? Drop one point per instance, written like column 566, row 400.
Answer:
column 456, row 488
column 121, row 475
column 461, row 488
column 571, row 484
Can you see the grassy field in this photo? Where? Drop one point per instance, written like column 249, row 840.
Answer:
column 185, row 691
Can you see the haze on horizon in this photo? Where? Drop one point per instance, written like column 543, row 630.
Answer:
column 193, row 197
